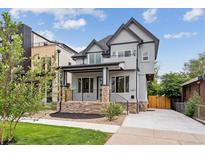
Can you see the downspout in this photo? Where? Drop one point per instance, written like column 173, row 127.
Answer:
column 137, row 69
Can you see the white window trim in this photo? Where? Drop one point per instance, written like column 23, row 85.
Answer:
column 94, row 57
column 147, row 56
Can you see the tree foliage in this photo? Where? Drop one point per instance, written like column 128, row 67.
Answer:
column 20, row 92
column 154, row 87
column 171, row 83
column 195, row 67
column 191, row 104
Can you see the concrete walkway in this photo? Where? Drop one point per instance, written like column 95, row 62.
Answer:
column 160, row 119
column 159, row 127
column 143, row 136
column 85, row 125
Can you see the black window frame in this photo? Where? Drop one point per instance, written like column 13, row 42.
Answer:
column 115, row 84
column 85, row 87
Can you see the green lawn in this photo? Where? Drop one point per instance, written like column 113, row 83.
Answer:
column 27, row 133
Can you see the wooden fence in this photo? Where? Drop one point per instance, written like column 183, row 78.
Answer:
column 159, row 102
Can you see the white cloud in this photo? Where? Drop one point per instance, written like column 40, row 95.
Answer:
column 192, row 15
column 47, row 34
column 60, row 13
column 63, row 16
column 150, row 15
column 70, row 24
column 180, row 35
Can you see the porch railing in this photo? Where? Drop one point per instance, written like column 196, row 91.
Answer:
column 115, row 97
column 93, row 95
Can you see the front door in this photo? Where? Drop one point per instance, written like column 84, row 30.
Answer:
column 99, row 89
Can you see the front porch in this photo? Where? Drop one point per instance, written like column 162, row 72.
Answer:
column 93, row 87
column 91, row 82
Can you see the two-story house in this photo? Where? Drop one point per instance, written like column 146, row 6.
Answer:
column 116, row 68
column 47, row 50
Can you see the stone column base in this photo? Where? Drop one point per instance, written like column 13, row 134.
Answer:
column 143, row 106
column 105, row 94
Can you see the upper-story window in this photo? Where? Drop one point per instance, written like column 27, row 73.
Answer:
column 95, row 58
column 145, row 56
column 126, row 53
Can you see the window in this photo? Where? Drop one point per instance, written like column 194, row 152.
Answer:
column 120, row 53
column 113, row 84
column 97, row 58
column 145, row 56
column 85, row 85
column 79, row 85
column 91, row 85
column 113, row 54
column 120, row 84
column 91, row 59
column 127, row 53
column 94, row 58
column 127, row 83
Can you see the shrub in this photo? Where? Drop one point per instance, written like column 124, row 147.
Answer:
column 192, row 105
column 112, row 110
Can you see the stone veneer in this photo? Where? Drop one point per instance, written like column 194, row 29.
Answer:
column 105, row 94
column 90, row 107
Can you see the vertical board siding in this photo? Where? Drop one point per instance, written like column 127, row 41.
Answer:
column 159, row 102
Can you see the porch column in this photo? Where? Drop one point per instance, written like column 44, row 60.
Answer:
column 104, row 76
column 105, row 87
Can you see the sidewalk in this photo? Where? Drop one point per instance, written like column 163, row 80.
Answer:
column 85, row 125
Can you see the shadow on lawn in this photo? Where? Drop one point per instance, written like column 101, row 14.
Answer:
column 75, row 115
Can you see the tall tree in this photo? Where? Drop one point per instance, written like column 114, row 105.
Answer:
column 195, row 67
column 20, row 92
column 171, row 83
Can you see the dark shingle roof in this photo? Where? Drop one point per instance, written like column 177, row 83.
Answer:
column 102, row 43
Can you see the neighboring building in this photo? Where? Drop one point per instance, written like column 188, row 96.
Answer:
column 35, row 44
column 116, row 68
column 194, row 85
column 43, row 48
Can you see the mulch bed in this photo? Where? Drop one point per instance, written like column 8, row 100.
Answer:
column 79, row 117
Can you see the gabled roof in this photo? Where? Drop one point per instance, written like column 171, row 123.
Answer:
column 105, row 42
column 102, row 44
column 156, row 40
column 192, row 80
column 56, row 42
column 123, row 27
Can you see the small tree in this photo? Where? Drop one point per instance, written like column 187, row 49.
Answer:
column 112, row 110
column 191, row 104
column 20, row 92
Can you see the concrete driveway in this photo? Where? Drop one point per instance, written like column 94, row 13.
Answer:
column 159, row 127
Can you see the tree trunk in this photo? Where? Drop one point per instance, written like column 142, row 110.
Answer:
column 3, row 128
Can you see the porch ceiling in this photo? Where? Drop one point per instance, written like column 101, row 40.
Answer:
column 92, row 67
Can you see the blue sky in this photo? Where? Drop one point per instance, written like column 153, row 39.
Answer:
column 181, row 31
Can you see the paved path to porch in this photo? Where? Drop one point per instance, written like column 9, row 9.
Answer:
column 159, row 127
column 85, row 125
